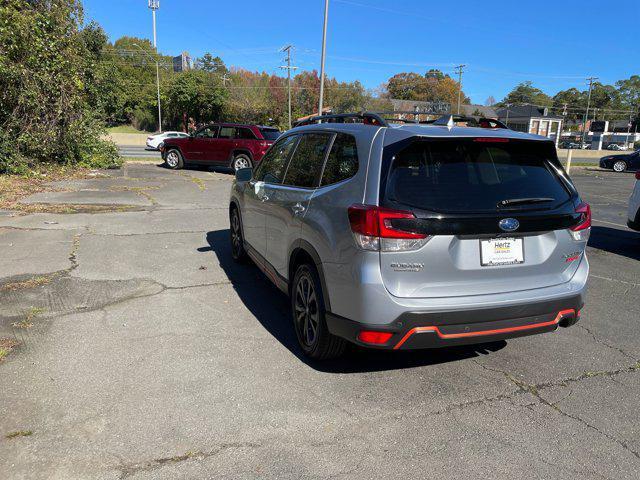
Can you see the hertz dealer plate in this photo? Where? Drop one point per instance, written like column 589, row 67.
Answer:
column 501, row 251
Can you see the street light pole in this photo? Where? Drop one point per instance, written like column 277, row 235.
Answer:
column 155, row 5
column 324, row 50
column 586, row 114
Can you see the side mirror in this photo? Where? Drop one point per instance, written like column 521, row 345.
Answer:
column 244, row 174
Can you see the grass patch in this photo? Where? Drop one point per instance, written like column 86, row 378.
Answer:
column 6, row 346
column 125, row 129
column 30, row 316
column 26, row 284
column 18, row 433
column 15, row 187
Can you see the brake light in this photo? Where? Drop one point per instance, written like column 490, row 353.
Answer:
column 373, row 229
column 491, row 140
column 374, row 338
column 581, row 231
column 638, row 175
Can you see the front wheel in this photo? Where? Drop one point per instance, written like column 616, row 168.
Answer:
column 238, row 252
column 174, row 160
column 241, row 161
column 620, row 166
column 307, row 310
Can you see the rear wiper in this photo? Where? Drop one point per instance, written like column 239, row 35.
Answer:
column 524, row 201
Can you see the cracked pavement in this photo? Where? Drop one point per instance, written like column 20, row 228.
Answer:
column 153, row 356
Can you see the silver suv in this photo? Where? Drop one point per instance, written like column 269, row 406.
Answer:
column 414, row 235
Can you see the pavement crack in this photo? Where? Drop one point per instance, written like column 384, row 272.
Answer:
column 127, row 471
column 603, row 343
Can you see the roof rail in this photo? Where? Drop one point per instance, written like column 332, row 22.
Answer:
column 451, row 120
column 368, row 118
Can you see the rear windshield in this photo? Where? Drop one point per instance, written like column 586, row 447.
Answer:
column 270, row 133
column 472, row 175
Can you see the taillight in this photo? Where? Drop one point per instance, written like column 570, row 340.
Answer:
column 638, row 175
column 373, row 337
column 373, row 229
column 581, row 231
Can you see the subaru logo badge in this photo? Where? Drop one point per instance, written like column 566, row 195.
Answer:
column 509, row 224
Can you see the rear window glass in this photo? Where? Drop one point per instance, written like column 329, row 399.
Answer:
column 306, row 162
column 472, row 176
column 270, row 133
column 244, row 133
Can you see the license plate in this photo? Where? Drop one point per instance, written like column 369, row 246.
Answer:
column 501, row 251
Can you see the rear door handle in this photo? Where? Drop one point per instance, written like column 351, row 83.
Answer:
column 298, row 208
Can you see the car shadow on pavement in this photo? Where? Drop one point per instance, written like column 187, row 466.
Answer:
column 616, row 240
column 271, row 308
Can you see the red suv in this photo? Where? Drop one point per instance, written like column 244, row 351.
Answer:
column 223, row 144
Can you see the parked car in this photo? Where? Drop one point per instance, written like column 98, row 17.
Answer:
column 634, row 205
column 154, row 141
column 225, row 144
column 618, row 147
column 413, row 236
column 578, row 146
column 620, row 163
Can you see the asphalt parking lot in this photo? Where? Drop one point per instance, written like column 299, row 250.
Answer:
column 151, row 355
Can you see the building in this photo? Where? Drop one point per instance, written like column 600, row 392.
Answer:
column 531, row 119
column 182, row 62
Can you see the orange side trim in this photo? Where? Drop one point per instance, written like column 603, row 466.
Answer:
column 447, row 336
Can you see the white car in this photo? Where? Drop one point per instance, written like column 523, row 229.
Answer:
column 634, row 205
column 154, row 141
column 618, row 147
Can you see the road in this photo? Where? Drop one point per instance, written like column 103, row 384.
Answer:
column 137, row 152
column 152, row 355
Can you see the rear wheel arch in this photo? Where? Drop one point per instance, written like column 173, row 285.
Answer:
column 303, row 252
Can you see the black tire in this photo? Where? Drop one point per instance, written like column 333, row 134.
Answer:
column 241, row 160
column 307, row 310
column 174, row 159
column 619, row 166
column 238, row 253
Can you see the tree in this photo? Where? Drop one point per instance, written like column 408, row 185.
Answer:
column 526, row 94
column 434, row 86
column 211, row 64
column 629, row 91
column 490, row 101
column 47, row 62
column 195, row 94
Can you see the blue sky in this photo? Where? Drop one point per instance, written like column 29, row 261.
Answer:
column 555, row 44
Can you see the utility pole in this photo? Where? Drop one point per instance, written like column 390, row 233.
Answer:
column 324, row 51
column 586, row 114
column 506, row 123
column 225, row 78
column 288, row 68
column 155, row 5
column 459, row 71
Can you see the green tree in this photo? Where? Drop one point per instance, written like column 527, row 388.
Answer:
column 434, row 86
column 525, row 93
column 46, row 64
column 195, row 94
column 211, row 64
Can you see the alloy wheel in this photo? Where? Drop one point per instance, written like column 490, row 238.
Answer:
column 172, row 159
column 236, row 234
column 620, row 166
column 241, row 162
column 306, row 310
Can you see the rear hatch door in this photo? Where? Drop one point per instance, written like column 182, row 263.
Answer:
column 496, row 211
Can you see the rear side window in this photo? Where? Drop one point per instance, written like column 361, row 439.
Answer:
column 227, row 132
column 271, row 168
column 306, row 163
column 472, row 176
column 244, row 134
column 207, row 132
column 343, row 160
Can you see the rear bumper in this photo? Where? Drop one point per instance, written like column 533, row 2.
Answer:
column 415, row 330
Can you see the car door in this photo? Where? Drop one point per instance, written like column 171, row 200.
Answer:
column 255, row 197
column 194, row 149
column 221, row 153
column 289, row 200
